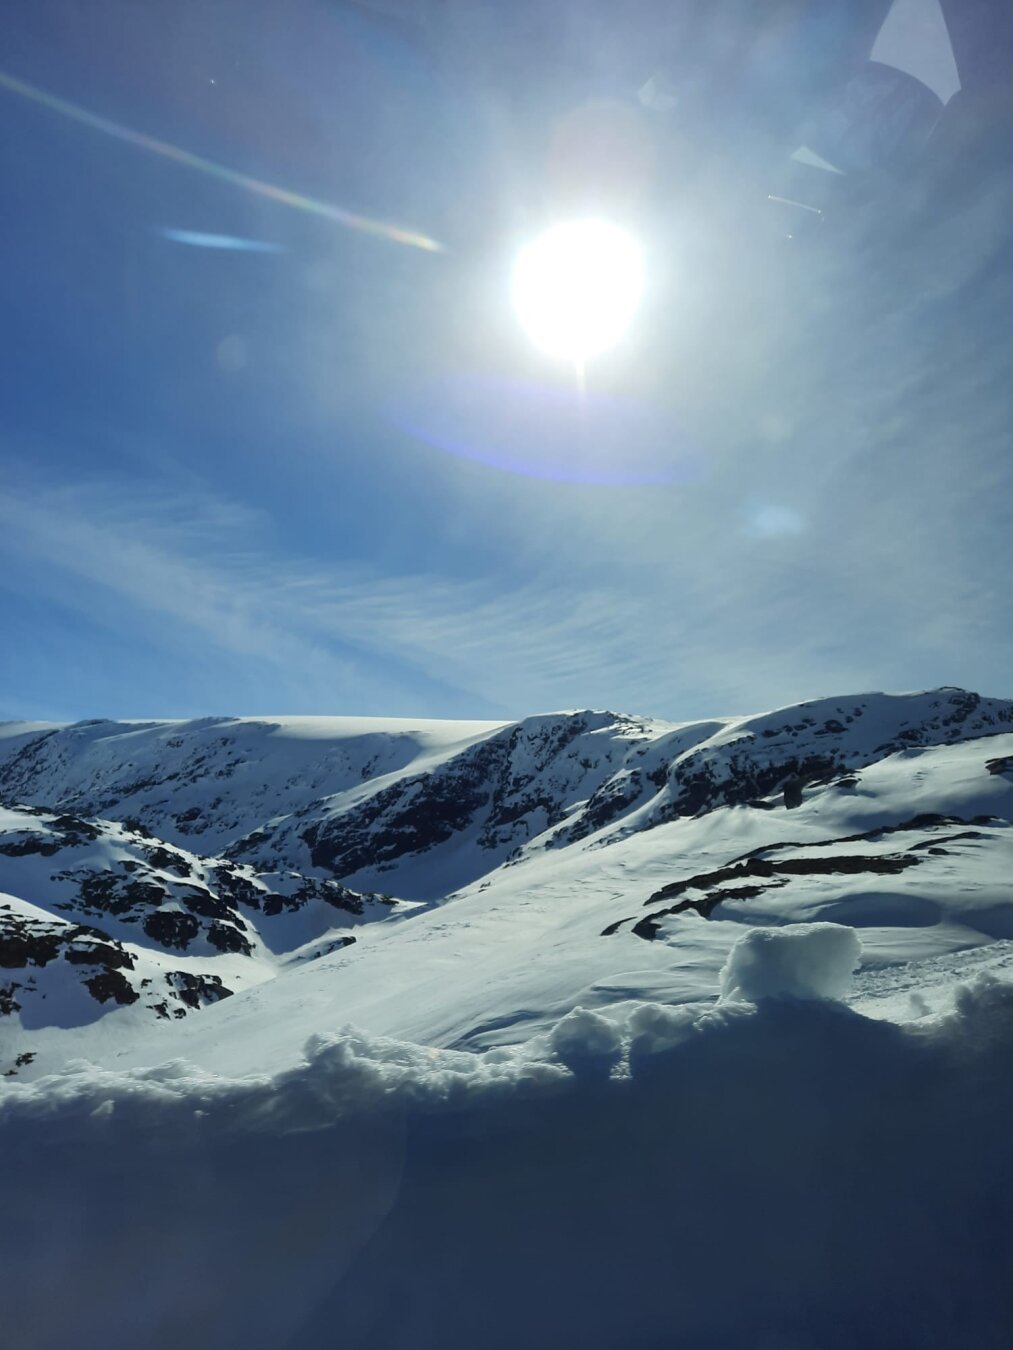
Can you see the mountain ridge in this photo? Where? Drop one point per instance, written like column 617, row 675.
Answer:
column 346, row 803
column 162, row 867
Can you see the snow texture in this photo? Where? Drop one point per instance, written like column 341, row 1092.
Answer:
column 586, row 1042
column 803, row 960
column 789, row 1174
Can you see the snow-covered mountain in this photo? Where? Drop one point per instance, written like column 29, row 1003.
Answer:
column 439, row 953
column 345, row 797
column 168, row 865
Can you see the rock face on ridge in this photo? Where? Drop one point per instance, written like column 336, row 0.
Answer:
column 356, row 803
column 554, row 781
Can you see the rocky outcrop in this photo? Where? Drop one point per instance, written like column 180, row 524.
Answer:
column 95, row 897
column 551, row 782
column 51, row 955
column 761, row 872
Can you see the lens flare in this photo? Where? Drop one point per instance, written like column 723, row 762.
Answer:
column 337, row 214
column 549, row 430
column 577, row 287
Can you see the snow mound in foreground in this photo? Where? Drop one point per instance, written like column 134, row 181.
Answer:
column 801, row 960
column 787, row 1173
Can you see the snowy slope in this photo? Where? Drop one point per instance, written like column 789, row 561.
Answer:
column 217, row 778
column 509, row 955
column 571, row 859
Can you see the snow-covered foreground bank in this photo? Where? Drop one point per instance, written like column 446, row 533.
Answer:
column 586, row 1030
column 780, row 1174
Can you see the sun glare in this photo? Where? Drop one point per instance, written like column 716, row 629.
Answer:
column 576, row 288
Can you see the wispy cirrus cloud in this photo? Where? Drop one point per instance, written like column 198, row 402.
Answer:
column 229, row 242
column 177, row 573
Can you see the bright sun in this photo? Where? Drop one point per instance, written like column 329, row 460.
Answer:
column 577, row 287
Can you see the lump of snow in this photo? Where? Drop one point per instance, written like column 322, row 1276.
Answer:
column 801, row 960
column 587, row 1043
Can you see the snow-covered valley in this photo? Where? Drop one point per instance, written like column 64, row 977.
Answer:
column 585, row 1030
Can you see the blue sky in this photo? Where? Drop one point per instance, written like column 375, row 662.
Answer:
column 257, row 461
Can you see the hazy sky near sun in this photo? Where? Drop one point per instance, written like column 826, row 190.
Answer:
column 257, row 458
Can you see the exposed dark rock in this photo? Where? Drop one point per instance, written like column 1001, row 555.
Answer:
column 336, row 945
column 27, row 942
column 248, row 844
column 925, row 821
column 237, row 889
column 8, row 1003
column 196, row 990
column 608, row 802
column 137, row 826
column 30, row 843
column 701, row 789
column 851, row 864
column 335, row 895
column 171, row 928
column 23, row 944
column 111, row 984
column 495, row 786
column 75, row 831
column 113, row 892
column 227, row 938
column 88, row 949
column 199, row 900
column 831, row 727
column 777, row 872
column 25, row 760
column 167, row 859
column 410, row 816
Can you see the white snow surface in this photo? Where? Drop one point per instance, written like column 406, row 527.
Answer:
column 801, row 960
column 650, row 1060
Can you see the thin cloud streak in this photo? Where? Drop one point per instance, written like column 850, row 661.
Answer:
column 230, row 242
column 536, row 646
column 509, row 650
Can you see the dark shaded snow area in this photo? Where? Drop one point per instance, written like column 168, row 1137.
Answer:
column 782, row 1174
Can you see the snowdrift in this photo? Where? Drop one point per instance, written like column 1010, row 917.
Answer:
column 786, row 1173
